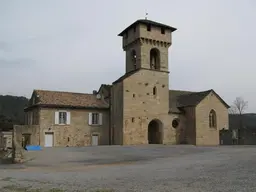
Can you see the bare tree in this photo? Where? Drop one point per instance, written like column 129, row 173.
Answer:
column 239, row 105
column 232, row 110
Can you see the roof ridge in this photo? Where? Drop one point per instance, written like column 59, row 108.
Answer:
column 44, row 90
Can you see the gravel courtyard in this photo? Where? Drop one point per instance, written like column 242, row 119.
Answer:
column 135, row 168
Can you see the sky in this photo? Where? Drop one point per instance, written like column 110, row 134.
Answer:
column 69, row 45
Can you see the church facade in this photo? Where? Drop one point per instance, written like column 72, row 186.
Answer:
column 138, row 108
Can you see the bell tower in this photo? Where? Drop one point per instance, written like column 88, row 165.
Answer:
column 146, row 44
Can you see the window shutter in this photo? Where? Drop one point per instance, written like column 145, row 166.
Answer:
column 90, row 119
column 100, row 119
column 56, row 117
column 68, row 118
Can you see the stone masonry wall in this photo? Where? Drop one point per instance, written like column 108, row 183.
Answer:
column 79, row 132
column 141, row 106
column 204, row 134
column 18, row 131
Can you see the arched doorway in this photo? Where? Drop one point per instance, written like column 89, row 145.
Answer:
column 155, row 132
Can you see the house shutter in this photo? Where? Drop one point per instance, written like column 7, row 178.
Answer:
column 68, row 118
column 100, row 118
column 90, row 119
column 56, row 117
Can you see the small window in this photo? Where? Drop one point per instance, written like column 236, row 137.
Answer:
column 95, row 118
column 162, row 30
column 133, row 119
column 133, row 95
column 175, row 123
column 62, row 117
column 134, row 58
column 149, row 27
column 154, row 91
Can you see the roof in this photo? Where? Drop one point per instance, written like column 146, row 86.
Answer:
column 179, row 99
column 105, row 86
column 68, row 99
column 146, row 22
column 173, row 98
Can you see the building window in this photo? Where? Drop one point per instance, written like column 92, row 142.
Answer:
column 162, row 30
column 62, row 117
column 95, row 118
column 155, row 59
column 133, row 119
column 154, row 91
column 148, row 27
column 175, row 123
column 212, row 119
column 134, row 58
column 134, row 28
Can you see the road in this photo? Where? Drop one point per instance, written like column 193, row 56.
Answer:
column 135, row 168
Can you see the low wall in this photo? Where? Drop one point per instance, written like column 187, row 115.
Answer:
column 18, row 131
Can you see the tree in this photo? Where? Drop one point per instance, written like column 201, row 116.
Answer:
column 239, row 106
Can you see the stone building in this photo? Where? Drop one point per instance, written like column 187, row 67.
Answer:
column 138, row 108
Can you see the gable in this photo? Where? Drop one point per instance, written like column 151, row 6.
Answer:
column 179, row 99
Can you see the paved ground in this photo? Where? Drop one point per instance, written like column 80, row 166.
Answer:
column 142, row 168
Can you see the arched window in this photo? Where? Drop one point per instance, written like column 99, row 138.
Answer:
column 212, row 119
column 134, row 58
column 155, row 59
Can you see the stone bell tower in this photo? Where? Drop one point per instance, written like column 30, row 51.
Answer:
column 146, row 45
column 143, row 92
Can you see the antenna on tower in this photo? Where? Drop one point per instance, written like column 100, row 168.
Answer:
column 146, row 16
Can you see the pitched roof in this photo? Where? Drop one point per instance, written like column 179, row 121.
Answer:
column 173, row 99
column 105, row 86
column 179, row 99
column 146, row 22
column 68, row 99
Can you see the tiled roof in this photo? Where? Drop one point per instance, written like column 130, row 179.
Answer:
column 179, row 99
column 68, row 99
column 173, row 99
column 146, row 21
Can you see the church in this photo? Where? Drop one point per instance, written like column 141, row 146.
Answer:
column 138, row 108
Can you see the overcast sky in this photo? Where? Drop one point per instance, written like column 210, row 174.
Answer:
column 72, row 45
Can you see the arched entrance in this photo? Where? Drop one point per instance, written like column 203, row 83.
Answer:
column 155, row 135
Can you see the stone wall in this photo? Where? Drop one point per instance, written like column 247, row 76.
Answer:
column 78, row 132
column 18, row 131
column 204, row 134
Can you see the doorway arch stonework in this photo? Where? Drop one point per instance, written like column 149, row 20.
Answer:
column 155, row 132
